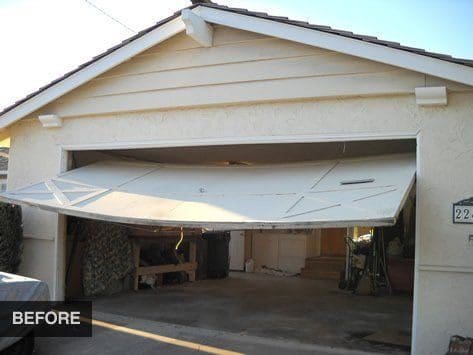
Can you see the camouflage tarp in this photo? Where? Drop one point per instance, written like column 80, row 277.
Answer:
column 107, row 256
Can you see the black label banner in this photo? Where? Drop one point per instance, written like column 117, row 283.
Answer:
column 46, row 319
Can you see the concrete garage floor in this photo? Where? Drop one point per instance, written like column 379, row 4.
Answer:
column 266, row 314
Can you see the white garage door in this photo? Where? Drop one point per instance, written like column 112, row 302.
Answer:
column 366, row 191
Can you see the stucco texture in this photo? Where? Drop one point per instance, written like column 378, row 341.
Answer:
column 445, row 161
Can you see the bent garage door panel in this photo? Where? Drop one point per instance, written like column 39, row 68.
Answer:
column 365, row 191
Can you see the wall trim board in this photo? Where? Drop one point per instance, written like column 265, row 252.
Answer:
column 349, row 137
column 446, row 268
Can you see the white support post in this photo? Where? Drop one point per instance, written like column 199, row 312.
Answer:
column 199, row 30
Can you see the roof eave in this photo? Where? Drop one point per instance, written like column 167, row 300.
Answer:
column 243, row 20
column 86, row 72
column 299, row 33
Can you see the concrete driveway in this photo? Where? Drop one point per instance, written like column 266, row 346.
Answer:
column 307, row 311
column 244, row 313
column 113, row 334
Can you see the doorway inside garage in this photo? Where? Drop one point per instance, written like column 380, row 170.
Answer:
column 345, row 281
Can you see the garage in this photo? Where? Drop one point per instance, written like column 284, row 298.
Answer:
column 171, row 224
column 236, row 172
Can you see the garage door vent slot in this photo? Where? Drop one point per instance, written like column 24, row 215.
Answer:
column 356, row 181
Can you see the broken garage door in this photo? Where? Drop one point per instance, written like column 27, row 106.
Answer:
column 367, row 191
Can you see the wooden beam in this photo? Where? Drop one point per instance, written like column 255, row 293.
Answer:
column 151, row 233
column 192, row 259
column 199, row 30
column 162, row 269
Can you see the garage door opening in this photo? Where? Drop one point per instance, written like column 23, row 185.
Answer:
column 312, row 242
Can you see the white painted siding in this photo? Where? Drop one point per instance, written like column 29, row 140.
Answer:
column 240, row 67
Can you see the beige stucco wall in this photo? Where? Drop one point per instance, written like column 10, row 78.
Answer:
column 242, row 68
column 444, row 288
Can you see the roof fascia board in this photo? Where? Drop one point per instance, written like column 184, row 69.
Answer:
column 100, row 66
column 403, row 59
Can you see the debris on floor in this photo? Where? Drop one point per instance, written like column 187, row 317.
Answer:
column 149, row 280
column 250, row 265
column 390, row 337
column 274, row 272
column 460, row 345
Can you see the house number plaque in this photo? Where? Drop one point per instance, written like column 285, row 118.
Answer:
column 463, row 211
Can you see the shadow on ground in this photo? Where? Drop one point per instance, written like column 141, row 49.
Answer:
column 308, row 311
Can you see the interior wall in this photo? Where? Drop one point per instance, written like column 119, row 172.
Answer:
column 332, row 242
column 284, row 250
column 313, row 243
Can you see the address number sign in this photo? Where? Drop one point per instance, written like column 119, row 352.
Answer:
column 463, row 211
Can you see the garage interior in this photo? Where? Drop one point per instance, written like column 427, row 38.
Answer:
column 311, row 285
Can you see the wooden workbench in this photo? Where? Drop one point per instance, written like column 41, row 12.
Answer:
column 189, row 267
